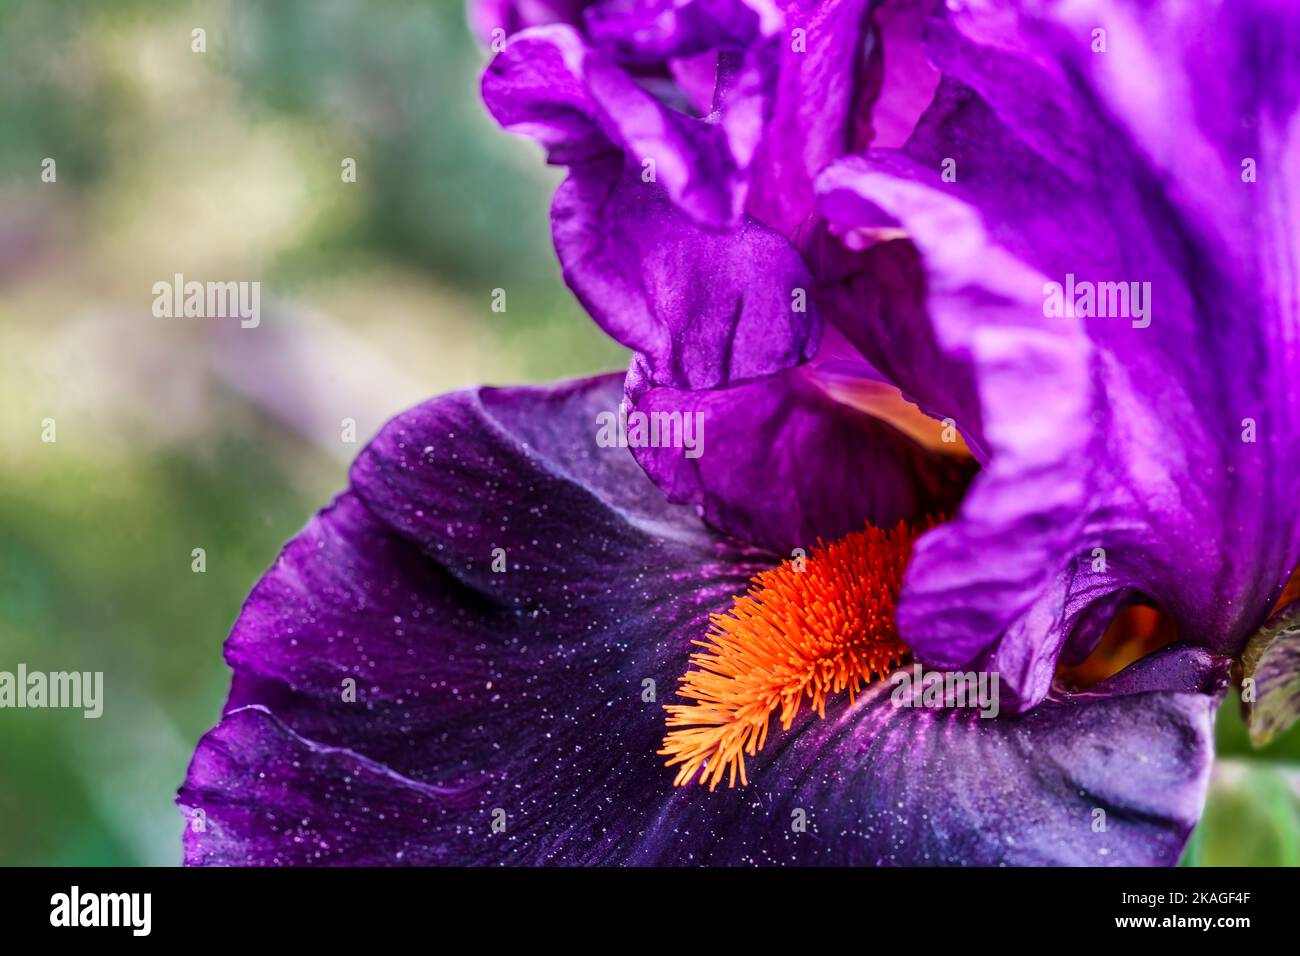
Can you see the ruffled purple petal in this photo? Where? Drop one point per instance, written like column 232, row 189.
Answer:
column 511, row 16
column 954, row 607
column 1225, row 82
column 907, row 79
column 875, row 297
column 688, row 300
column 786, row 464
column 650, row 31
column 551, row 84
column 1139, row 436
column 703, row 308
column 503, row 716
column 818, row 72
column 716, row 309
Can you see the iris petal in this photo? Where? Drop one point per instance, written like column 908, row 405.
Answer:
column 636, row 223
column 504, row 716
column 786, row 464
column 1116, row 445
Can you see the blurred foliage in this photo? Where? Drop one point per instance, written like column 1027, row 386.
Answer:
column 1252, row 817
column 397, row 84
column 97, row 573
column 222, row 164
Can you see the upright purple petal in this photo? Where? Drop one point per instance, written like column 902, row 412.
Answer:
column 551, row 84
column 876, row 298
column 641, row 31
column 703, row 307
column 1117, row 445
column 845, row 73
column 785, row 463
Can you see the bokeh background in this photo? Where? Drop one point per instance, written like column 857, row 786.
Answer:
column 175, row 434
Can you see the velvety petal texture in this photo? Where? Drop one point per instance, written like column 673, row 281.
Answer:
column 464, row 660
column 658, row 30
column 633, row 222
column 552, row 85
column 872, row 288
column 786, row 464
column 1123, row 437
column 511, row 16
column 819, row 77
column 695, row 241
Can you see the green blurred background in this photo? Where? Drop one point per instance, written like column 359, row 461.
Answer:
column 175, row 434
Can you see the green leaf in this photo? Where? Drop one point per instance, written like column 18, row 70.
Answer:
column 1271, row 677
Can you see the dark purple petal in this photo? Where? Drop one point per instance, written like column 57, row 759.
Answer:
column 273, row 798
column 885, row 785
column 785, row 463
column 523, row 691
column 650, row 31
column 518, row 689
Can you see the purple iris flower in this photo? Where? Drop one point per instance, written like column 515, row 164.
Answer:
column 870, row 273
